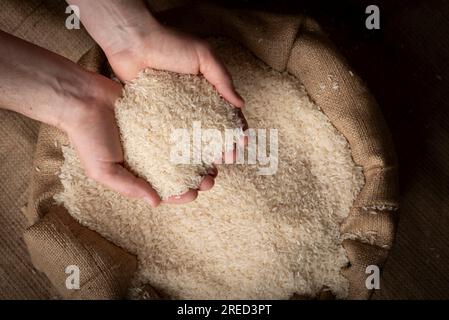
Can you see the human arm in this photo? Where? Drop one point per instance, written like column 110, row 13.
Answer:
column 49, row 88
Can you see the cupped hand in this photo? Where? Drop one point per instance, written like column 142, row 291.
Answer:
column 166, row 49
column 132, row 41
column 93, row 131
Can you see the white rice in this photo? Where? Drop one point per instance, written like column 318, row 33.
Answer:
column 154, row 105
column 251, row 236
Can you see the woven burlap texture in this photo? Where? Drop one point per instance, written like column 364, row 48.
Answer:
column 287, row 43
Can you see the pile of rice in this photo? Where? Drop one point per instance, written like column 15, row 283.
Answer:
column 252, row 236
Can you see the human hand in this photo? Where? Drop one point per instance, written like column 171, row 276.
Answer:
column 170, row 50
column 46, row 87
column 92, row 129
column 133, row 40
column 166, row 49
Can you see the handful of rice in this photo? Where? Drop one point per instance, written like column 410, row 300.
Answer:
column 152, row 107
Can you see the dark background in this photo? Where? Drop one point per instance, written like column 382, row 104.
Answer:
column 406, row 66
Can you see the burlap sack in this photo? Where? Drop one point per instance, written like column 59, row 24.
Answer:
column 292, row 43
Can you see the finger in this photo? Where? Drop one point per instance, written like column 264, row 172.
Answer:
column 245, row 125
column 207, row 183
column 243, row 141
column 228, row 157
column 213, row 172
column 189, row 196
column 215, row 72
column 117, row 178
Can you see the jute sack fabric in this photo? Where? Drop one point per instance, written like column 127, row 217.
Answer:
column 287, row 43
column 42, row 22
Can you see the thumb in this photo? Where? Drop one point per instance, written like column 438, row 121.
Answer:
column 119, row 179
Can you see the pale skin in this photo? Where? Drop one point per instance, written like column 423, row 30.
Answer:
column 51, row 89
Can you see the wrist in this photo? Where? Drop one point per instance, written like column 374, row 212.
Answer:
column 97, row 94
column 130, row 35
column 122, row 23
